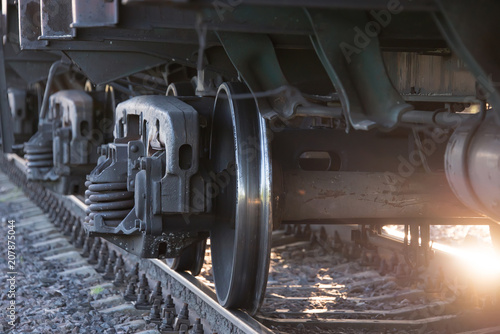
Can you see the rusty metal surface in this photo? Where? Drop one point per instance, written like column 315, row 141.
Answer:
column 29, row 24
column 94, row 13
column 331, row 195
column 56, row 19
column 429, row 75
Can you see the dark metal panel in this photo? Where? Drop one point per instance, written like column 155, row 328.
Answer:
column 101, row 67
column 333, row 195
column 259, row 19
column 56, row 19
column 354, row 149
column 353, row 61
column 29, row 24
column 347, row 4
column 254, row 57
column 31, row 72
column 92, row 13
column 416, row 74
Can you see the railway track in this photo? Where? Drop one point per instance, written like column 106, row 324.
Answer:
column 319, row 280
column 60, row 239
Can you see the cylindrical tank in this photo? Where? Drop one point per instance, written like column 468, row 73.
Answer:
column 472, row 163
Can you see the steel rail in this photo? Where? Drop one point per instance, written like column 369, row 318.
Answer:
column 388, row 245
column 239, row 319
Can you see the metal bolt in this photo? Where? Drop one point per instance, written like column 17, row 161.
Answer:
column 119, row 278
column 109, row 273
column 93, row 256
column 156, row 294
column 142, row 302
column 167, row 322
column 103, row 250
column 118, row 264
column 112, row 257
column 197, row 327
column 140, row 224
column 182, row 320
column 154, row 315
column 133, row 275
column 169, row 306
column 101, row 264
column 82, row 238
column 144, row 284
column 129, row 294
column 87, row 245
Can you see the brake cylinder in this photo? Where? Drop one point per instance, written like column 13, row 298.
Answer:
column 472, row 164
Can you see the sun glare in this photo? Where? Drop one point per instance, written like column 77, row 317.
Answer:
column 478, row 261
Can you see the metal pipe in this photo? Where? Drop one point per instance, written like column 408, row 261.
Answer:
column 48, row 87
column 122, row 89
column 438, row 118
column 319, row 111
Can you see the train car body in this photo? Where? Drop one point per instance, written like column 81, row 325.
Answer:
column 232, row 117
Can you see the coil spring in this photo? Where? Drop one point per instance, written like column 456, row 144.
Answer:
column 110, row 200
column 39, row 156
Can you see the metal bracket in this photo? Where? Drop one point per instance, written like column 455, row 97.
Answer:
column 126, row 227
column 355, row 66
column 254, row 58
column 29, row 25
column 94, row 13
column 56, row 20
column 136, row 151
column 172, row 126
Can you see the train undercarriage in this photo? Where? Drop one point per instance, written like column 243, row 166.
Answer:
column 180, row 121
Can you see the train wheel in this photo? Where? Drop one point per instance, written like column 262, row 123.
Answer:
column 240, row 238
column 191, row 258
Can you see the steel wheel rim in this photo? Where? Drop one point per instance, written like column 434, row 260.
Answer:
column 240, row 238
column 191, row 258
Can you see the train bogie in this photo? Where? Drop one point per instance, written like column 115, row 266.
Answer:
column 64, row 149
column 230, row 121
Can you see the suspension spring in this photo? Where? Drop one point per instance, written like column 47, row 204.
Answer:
column 39, row 156
column 110, row 200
